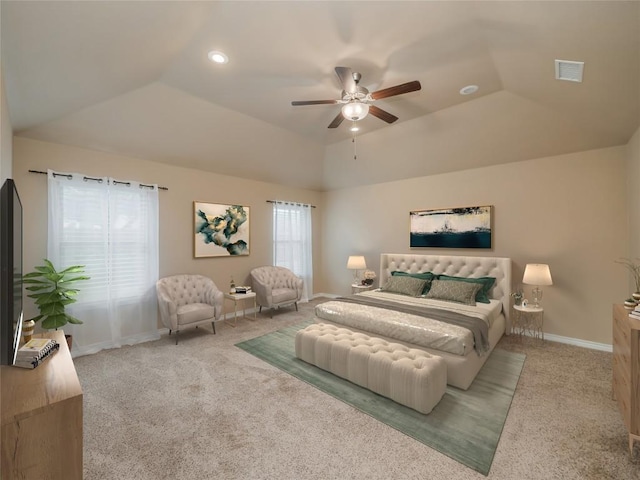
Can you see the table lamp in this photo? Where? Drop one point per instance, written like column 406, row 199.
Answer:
column 537, row 274
column 355, row 263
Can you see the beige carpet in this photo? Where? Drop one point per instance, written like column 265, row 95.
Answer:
column 206, row 409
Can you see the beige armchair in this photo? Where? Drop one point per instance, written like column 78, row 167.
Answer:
column 276, row 287
column 188, row 301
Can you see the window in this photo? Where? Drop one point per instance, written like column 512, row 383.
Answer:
column 111, row 228
column 292, row 246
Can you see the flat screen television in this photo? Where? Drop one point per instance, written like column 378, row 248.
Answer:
column 10, row 272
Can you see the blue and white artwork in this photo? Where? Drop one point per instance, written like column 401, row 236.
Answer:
column 466, row 227
column 220, row 230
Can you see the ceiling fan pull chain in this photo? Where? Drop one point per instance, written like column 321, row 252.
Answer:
column 355, row 152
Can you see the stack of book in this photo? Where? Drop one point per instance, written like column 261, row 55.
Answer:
column 243, row 289
column 35, row 351
column 635, row 313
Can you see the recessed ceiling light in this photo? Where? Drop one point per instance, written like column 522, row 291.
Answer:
column 217, row 57
column 468, row 90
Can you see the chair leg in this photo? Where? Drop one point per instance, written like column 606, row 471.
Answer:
column 177, row 336
column 296, row 304
column 213, row 324
column 260, row 309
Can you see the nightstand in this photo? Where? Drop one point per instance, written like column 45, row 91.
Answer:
column 357, row 288
column 528, row 321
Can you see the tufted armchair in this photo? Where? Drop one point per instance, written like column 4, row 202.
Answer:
column 275, row 287
column 188, row 301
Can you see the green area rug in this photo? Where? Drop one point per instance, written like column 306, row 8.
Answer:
column 465, row 425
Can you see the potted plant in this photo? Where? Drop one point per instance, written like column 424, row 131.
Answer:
column 53, row 291
column 518, row 296
column 634, row 268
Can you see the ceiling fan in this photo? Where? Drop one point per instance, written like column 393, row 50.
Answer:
column 356, row 100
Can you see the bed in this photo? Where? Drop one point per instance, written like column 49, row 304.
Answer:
column 463, row 334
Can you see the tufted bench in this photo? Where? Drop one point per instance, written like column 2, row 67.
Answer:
column 408, row 376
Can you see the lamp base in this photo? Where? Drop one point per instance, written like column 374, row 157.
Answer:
column 537, row 296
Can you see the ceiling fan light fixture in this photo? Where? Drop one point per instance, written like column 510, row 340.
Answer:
column 217, row 57
column 355, row 110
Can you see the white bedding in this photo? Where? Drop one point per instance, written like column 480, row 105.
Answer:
column 410, row 328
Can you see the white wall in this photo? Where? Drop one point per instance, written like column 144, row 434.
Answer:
column 568, row 211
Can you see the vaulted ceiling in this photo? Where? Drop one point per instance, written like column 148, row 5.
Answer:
column 133, row 78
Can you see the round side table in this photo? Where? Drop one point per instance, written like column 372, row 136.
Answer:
column 528, row 321
column 357, row 288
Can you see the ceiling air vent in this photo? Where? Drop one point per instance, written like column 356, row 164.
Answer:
column 568, row 70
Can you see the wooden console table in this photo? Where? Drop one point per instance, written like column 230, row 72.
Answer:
column 42, row 419
column 626, row 370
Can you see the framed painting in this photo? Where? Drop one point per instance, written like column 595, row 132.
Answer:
column 220, row 230
column 466, row 227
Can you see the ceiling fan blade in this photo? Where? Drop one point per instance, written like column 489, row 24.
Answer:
column 346, row 78
column 337, row 121
column 397, row 90
column 381, row 114
column 314, row 102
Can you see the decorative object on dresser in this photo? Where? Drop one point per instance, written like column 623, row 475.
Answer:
column 626, row 370
column 630, row 303
column 220, row 230
column 537, row 274
column 465, row 227
column 355, row 263
column 188, row 301
column 634, row 269
column 35, row 351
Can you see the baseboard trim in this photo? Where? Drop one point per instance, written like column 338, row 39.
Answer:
column 604, row 347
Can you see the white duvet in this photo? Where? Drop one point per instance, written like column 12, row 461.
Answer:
column 407, row 327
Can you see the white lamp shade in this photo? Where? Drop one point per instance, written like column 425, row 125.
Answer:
column 356, row 262
column 355, row 111
column 537, row 274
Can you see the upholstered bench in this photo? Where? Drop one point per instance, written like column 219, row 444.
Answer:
column 408, row 376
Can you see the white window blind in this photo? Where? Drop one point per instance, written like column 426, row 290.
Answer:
column 292, row 241
column 111, row 228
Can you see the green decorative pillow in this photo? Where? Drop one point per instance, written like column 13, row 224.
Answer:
column 404, row 285
column 453, row 291
column 428, row 276
column 486, row 282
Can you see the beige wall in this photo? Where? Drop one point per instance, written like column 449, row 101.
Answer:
column 6, row 136
column 568, row 211
column 176, row 206
column 633, row 198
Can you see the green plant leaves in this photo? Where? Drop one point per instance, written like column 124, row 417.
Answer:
column 52, row 293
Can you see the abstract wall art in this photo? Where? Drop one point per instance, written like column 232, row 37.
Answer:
column 465, row 227
column 220, row 230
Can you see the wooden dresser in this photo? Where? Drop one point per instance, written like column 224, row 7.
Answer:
column 42, row 419
column 626, row 370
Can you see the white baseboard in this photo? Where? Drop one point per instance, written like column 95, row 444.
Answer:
column 604, row 347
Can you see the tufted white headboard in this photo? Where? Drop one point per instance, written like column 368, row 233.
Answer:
column 471, row 267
